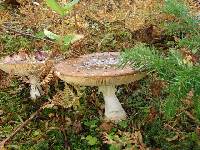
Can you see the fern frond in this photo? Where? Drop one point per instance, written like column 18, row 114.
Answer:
column 68, row 97
column 182, row 77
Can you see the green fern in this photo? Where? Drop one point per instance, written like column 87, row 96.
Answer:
column 182, row 77
column 185, row 26
column 184, row 22
column 177, row 8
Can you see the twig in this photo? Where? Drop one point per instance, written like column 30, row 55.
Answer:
column 192, row 117
column 23, row 33
column 62, row 128
column 18, row 128
column 75, row 19
column 167, row 126
column 65, row 138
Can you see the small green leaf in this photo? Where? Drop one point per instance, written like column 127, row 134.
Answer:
column 91, row 140
column 123, row 124
column 40, row 35
column 36, row 133
column 51, row 35
column 170, row 108
column 56, row 7
column 71, row 38
column 70, row 5
column 67, row 39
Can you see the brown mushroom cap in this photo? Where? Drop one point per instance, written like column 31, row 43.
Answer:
column 97, row 69
column 22, row 69
column 24, row 65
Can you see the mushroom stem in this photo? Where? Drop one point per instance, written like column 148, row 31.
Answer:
column 36, row 90
column 113, row 108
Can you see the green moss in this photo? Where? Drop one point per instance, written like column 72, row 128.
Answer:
column 12, row 43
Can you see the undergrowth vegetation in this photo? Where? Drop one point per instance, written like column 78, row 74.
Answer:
column 163, row 109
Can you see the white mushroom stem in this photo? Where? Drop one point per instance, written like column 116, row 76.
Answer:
column 36, row 90
column 113, row 108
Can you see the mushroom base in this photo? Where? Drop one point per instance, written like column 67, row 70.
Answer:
column 36, row 90
column 113, row 108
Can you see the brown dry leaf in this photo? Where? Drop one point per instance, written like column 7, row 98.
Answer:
column 152, row 115
column 188, row 100
column 4, row 16
column 12, row 2
column 189, row 57
column 194, row 6
column 51, row 115
column 176, row 39
column 145, row 34
column 173, row 138
column 121, row 139
column 2, row 148
column 77, row 126
column 1, row 74
column 191, row 116
column 35, row 16
column 106, row 126
column 140, row 142
column 135, row 18
column 68, row 121
column 39, row 44
column 5, row 81
column 176, row 130
column 1, row 112
column 77, row 50
column 156, row 87
column 198, row 130
column 67, row 98
column 48, row 78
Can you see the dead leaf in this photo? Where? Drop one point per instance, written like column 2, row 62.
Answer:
column 106, row 126
column 188, row 100
column 189, row 57
column 156, row 87
column 173, row 138
column 12, row 2
column 198, row 130
column 77, row 126
column 1, row 112
column 191, row 116
column 152, row 115
column 2, row 147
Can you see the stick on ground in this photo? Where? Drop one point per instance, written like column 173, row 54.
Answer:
column 21, row 126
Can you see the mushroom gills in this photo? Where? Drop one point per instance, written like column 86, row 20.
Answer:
column 113, row 108
column 36, row 89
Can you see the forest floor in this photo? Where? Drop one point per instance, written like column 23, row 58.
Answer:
column 105, row 27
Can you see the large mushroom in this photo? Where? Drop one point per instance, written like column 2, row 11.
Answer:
column 30, row 65
column 102, row 70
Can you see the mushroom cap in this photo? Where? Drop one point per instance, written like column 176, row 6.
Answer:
column 97, row 69
column 22, row 69
column 23, row 64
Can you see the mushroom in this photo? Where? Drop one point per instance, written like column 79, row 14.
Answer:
column 102, row 70
column 22, row 64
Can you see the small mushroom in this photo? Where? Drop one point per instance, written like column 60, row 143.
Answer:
column 22, row 64
column 102, row 70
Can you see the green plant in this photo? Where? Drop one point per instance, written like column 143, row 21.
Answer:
column 13, row 44
column 184, row 22
column 185, row 26
column 62, row 10
column 63, row 40
column 91, row 140
column 181, row 76
column 124, row 140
